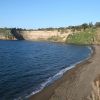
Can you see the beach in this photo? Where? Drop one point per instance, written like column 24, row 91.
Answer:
column 75, row 84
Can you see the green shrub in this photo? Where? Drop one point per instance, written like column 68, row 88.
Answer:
column 85, row 37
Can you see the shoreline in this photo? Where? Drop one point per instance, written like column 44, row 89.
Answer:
column 49, row 91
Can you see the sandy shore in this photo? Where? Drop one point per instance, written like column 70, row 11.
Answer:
column 76, row 84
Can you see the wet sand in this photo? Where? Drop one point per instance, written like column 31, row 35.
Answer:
column 76, row 84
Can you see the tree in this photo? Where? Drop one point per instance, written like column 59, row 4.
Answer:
column 73, row 28
column 78, row 28
column 84, row 26
column 90, row 25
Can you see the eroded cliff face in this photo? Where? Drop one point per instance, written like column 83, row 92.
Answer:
column 36, row 35
column 44, row 35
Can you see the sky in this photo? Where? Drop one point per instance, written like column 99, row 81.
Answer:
column 48, row 13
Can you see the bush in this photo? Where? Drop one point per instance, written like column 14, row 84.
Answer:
column 85, row 37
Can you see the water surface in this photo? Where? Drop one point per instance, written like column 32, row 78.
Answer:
column 26, row 67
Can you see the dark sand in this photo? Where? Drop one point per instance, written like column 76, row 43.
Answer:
column 76, row 84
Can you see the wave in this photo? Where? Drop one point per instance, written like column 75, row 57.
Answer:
column 50, row 80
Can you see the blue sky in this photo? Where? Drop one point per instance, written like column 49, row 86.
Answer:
column 48, row 13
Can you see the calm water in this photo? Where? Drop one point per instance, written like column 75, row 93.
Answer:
column 26, row 67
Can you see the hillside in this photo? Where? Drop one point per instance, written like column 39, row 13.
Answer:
column 81, row 34
column 34, row 35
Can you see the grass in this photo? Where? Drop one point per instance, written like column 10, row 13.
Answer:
column 84, row 37
column 97, row 36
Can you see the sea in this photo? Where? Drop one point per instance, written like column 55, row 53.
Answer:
column 26, row 67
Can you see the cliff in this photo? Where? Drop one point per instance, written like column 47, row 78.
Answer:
column 35, row 35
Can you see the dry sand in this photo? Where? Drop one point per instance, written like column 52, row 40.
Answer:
column 76, row 84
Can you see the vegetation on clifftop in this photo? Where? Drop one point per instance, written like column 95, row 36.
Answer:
column 84, row 37
column 5, row 33
column 87, row 34
column 80, row 34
